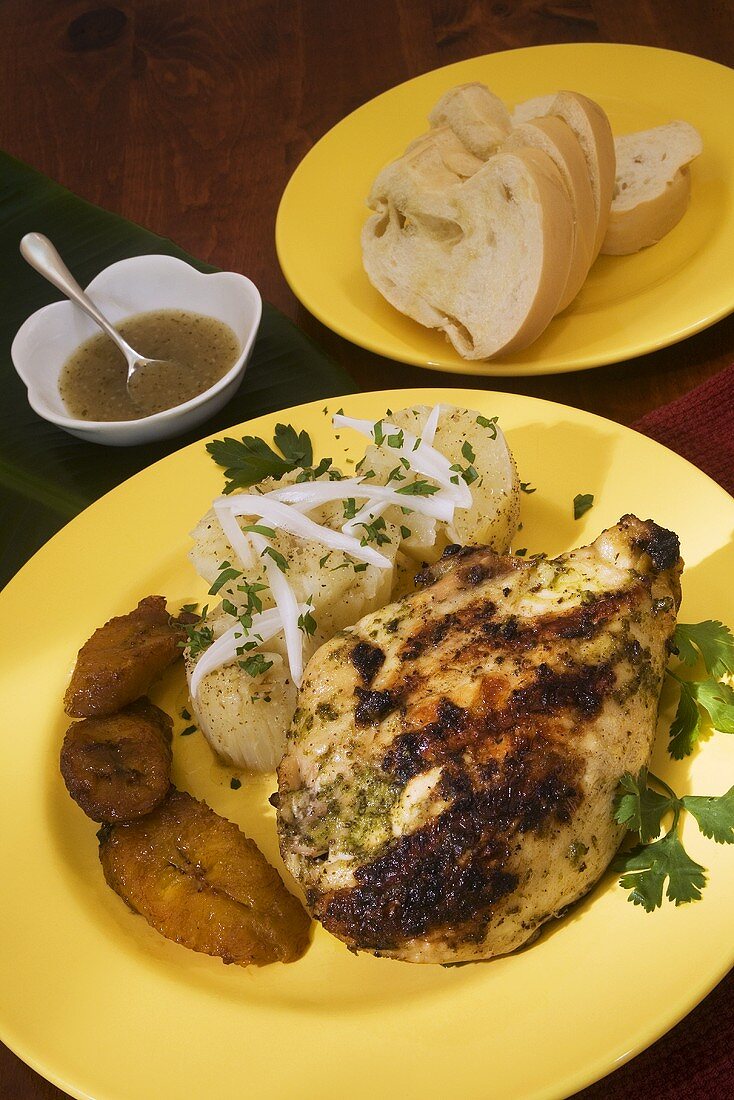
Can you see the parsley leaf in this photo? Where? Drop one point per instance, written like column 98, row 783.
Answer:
column 250, row 459
column 715, row 816
column 582, row 502
column 717, row 699
column 647, row 867
column 526, row 487
column 468, row 452
column 296, row 446
column 712, row 640
column 640, row 808
column 686, row 725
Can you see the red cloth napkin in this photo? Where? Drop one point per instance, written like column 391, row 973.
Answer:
column 694, row 1061
column 700, row 427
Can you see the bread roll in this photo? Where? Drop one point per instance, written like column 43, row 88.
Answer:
column 652, row 186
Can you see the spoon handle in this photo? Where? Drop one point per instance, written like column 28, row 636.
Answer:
column 38, row 251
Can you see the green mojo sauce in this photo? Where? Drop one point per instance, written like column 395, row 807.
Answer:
column 198, row 349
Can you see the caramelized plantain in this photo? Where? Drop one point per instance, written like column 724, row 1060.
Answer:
column 199, row 881
column 123, row 658
column 118, row 768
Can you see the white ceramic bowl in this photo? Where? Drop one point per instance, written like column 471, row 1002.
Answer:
column 137, row 285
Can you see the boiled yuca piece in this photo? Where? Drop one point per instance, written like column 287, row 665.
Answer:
column 486, row 261
column 244, row 706
column 555, row 137
column 244, row 715
column 478, row 118
column 652, row 187
column 475, row 445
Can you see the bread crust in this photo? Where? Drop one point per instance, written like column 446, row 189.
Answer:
column 647, row 223
column 554, row 136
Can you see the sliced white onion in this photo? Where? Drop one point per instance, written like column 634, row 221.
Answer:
column 287, row 519
column 429, row 428
column 264, row 626
column 424, row 458
column 287, row 605
column 369, row 512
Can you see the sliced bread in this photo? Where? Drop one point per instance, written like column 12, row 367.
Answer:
column 652, row 186
column 478, row 118
column 531, row 108
column 555, row 137
column 454, row 154
column 486, row 261
column 591, row 126
column 420, row 170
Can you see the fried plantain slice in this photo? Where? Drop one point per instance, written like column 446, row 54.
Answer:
column 123, row 658
column 201, row 882
column 118, row 768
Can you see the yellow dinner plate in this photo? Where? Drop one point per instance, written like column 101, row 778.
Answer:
column 100, row 1004
column 628, row 306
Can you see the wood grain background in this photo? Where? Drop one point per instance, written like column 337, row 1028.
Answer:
column 189, row 116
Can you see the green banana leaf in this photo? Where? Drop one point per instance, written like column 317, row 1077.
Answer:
column 48, row 476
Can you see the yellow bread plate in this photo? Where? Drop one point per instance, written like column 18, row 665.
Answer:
column 628, row 306
column 104, row 1007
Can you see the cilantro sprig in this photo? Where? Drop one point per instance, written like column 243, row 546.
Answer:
column 658, row 864
column 250, row 459
column 712, row 644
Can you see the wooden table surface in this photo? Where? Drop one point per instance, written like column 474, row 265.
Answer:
column 189, row 116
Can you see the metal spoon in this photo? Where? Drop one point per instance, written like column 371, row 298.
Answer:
column 41, row 255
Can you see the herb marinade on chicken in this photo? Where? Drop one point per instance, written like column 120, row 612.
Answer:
column 449, row 774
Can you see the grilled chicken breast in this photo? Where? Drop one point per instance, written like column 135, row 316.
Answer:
column 449, row 774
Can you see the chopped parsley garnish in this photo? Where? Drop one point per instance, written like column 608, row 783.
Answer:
column 235, row 783
column 526, row 487
column 468, row 452
column 307, row 623
column 323, row 561
column 375, row 532
column 185, row 715
column 396, row 475
column 228, row 573
column 278, row 558
column 255, row 664
column 350, row 508
column 405, row 532
column 360, row 566
column 260, row 529
column 378, row 433
column 490, row 424
column 418, row 489
column 654, row 862
column 582, row 502
column 188, row 731
column 199, row 638
column 521, row 552
column 396, row 440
